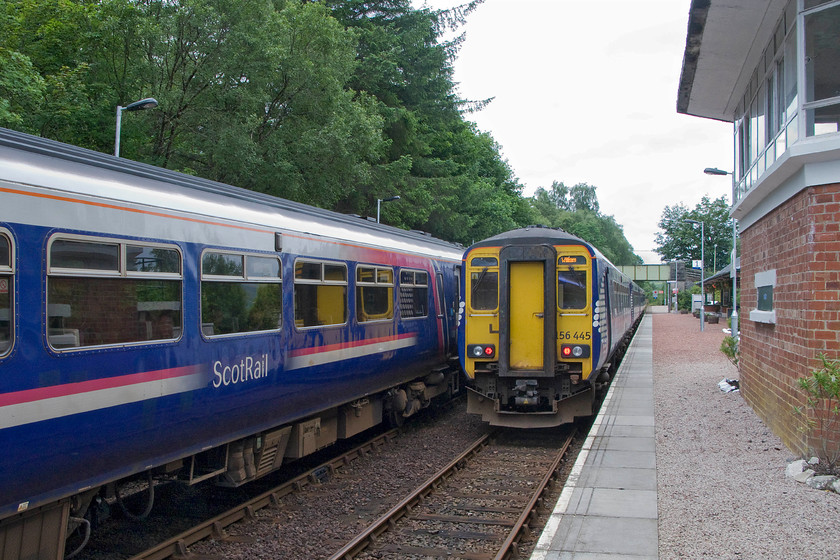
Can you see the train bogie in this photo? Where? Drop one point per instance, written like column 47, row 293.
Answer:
column 541, row 316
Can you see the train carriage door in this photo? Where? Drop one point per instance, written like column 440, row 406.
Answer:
column 527, row 333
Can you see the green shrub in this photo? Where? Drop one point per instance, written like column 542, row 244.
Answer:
column 729, row 347
column 684, row 300
column 822, row 408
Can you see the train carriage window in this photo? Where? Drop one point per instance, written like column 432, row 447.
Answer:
column 262, row 267
column 140, row 258
column 320, row 293
column 571, row 289
column 85, row 255
column 104, row 292
column 374, row 293
column 414, row 294
column 7, row 275
column 222, row 264
column 240, row 293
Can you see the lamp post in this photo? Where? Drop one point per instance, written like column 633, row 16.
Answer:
column 148, row 103
column 734, row 274
column 702, row 271
column 379, row 202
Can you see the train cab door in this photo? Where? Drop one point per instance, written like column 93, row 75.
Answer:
column 527, row 316
column 443, row 323
column 446, row 304
column 451, row 313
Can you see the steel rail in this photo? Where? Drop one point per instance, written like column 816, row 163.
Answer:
column 215, row 527
column 389, row 519
column 510, row 546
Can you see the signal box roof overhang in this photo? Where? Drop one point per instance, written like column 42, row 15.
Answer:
column 724, row 38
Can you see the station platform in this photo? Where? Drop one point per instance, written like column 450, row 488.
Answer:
column 608, row 507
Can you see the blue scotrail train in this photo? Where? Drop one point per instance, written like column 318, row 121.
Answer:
column 157, row 325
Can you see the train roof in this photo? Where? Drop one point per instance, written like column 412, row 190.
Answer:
column 93, row 173
column 541, row 235
column 535, row 234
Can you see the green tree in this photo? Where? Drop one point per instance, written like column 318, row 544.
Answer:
column 334, row 104
column 577, row 211
column 250, row 93
column 450, row 176
column 680, row 240
column 21, row 90
column 43, row 63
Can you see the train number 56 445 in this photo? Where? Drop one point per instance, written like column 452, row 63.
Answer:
column 574, row 335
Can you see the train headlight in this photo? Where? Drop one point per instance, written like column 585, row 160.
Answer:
column 481, row 350
column 574, row 351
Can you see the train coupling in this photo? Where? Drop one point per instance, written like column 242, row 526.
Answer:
column 526, row 392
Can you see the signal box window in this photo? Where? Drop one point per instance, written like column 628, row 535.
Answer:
column 320, row 294
column 765, row 283
column 374, row 293
column 240, row 293
column 6, row 290
column 414, row 294
column 571, row 289
column 102, row 292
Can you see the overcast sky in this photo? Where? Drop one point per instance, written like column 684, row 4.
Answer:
column 586, row 92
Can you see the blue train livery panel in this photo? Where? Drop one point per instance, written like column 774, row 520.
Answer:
column 155, row 323
column 543, row 317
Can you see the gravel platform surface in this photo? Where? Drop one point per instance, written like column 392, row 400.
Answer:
column 722, row 487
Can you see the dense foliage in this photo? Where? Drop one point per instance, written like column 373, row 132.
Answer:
column 331, row 103
column 577, row 211
column 680, row 240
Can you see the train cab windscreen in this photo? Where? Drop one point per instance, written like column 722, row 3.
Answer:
column 484, row 284
column 571, row 289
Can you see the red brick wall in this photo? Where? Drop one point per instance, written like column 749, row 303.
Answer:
column 800, row 240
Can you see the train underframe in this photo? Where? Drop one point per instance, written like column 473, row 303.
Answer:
column 534, row 399
column 43, row 532
column 526, row 400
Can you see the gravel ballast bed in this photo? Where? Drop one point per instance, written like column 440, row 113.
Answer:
column 721, row 471
column 318, row 521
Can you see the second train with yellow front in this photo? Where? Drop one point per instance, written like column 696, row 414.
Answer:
column 544, row 317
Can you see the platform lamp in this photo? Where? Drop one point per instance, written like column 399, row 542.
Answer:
column 734, row 274
column 148, row 103
column 702, row 270
column 379, row 202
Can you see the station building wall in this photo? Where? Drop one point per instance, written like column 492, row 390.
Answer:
column 800, row 242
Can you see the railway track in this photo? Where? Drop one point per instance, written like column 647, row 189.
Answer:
column 478, row 507
column 216, row 527
column 306, row 513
